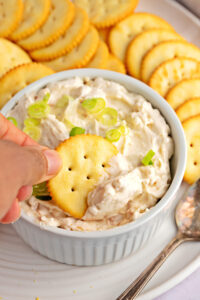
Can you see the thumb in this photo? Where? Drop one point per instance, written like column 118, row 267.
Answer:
column 39, row 164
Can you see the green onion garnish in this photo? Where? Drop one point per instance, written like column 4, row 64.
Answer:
column 31, row 122
column 147, row 160
column 76, row 131
column 94, row 105
column 108, row 116
column 63, row 101
column 39, row 109
column 33, row 131
column 113, row 135
column 13, row 120
column 46, row 97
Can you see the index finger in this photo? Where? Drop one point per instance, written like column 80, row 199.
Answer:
column 8, row 131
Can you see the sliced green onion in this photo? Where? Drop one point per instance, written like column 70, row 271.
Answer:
column 147, row 160
column 31, row 122
column 40, row 189
column 94, row 105
column 113, row 135
column 33, row 131
column 63, row 101
column 108, row 116
column 68, row 123
column 46, row 97
column 123, row 129
column 76, row 131
column 13, row 120
column 38, row 110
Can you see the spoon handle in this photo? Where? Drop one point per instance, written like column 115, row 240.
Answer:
column 136, row 287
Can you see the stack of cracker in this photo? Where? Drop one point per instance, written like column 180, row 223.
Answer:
column 47, row 36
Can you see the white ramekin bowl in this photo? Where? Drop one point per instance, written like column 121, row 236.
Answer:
column 96, row 248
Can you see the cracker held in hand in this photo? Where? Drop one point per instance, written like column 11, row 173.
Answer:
column 124, row 32
column 11, row 56
column 100, row 57
column 34, row 15
column 79, row 56
column 144, row 42
column 66, row 42
column 188, row 109
column 105, row 13
column 182, row 91
column 11, row 12
column 164, row 51
column 192, row 133
column 19, row 77
column 60, row 18
column 171, row 72
column 85, row 158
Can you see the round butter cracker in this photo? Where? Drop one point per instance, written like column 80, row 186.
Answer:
column 79, row 56
column 188, row 109
column 18, row 78
column 123, row 33
column 105, row 13
column 144, row 42
column 164, row 51
column 66, row 42
column 60, row 17
column 85, row 158
column 192, row 133
column 171, row 72
column 183, row 91
column 100, row 58
column 34, row 15
column 11, row 56
column 114, row 64
column 11, row 12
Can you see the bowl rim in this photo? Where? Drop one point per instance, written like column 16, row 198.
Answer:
column 145, row 90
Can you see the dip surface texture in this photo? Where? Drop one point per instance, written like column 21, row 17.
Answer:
column 129, row 188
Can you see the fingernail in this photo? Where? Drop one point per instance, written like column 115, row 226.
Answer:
column 54, row 161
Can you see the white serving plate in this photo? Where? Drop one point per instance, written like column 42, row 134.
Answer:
column 25, row 275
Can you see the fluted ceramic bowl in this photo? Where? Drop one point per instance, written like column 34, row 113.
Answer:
column 101, row 247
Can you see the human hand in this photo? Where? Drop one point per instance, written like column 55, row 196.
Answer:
column 22, row 163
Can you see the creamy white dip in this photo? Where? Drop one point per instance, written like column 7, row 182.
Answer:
column 129, row 188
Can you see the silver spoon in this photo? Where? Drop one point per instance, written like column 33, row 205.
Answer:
column 188, row 223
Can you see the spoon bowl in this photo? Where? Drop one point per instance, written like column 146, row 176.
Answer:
column 188, row 212
column 187, row 216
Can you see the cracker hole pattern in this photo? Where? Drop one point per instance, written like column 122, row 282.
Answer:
column 191, row 145
column 195, row 163
column 73, row 189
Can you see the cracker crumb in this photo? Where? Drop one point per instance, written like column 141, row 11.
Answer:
column 37, row 298
column 74, row 291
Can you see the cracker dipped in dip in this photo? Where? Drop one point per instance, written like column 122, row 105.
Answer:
column 137, row 177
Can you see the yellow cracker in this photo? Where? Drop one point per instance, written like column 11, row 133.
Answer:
column 105, row 13
column 100, row 57
column 182, row 91
column 10, row 16
column 70, row 39
column 142, row 43
column 124, row 32
column 192, row 133
column 188, row 109
column 115, row 64
column 11, row 56
column 103, row 34
column 164, row 51
column 35, row 14
column 19, row 77
column 79, row 56
column 85, row 158
column 60, row 18
column 171, row 72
